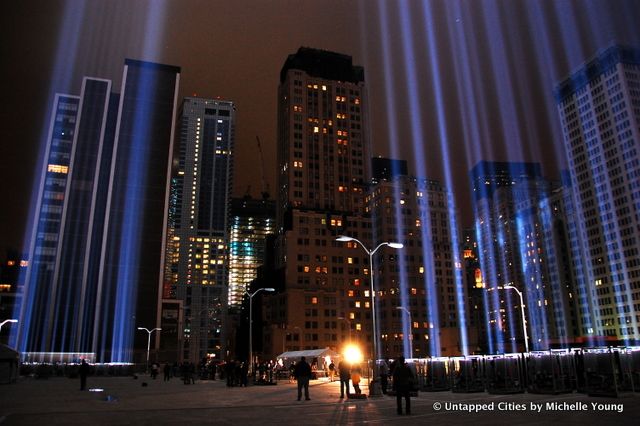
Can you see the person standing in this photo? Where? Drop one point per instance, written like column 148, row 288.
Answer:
column 332, row 371
column 344, row 369
column 167, row 372
column 303, row 374
column 402, row 382
column 84, row 372
column 384, row 376
column 356, row 375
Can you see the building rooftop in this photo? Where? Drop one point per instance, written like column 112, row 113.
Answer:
column 323, row 64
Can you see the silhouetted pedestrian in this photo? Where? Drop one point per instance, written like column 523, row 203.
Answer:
column 403, row 382
column 332, row 371
column 229, row 371
column 344, row 369
column 384, row 376
column 84, row 372
column 303, row 374
column 167, row 372
column 154, row 370
column 192, row 373
column 356, row 375
column 184, row 372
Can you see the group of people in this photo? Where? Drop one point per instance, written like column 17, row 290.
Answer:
column 403, row 380
column 236, row 375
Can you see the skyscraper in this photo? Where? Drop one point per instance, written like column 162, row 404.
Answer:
column 198, row 249
column 599, row 107
column 323, row 169
column 97, row 241
column 498, row 189
column 422, row 299
column 252, row 220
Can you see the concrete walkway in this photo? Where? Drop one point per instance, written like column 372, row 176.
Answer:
column 124, row 401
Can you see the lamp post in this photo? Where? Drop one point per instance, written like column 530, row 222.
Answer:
column 524, row 321
column 148, row 341
column 6, row 321
column 402, row 308
column 251, row 323
column 374, row 386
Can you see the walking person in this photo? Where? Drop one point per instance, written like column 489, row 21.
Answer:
column 384, row 376
column 303, row 374
column 344, row 370
column 356, row 375
column 332, row 371
column 402, row 382
column 167, row 372
column 84, row 372
column 154, row 370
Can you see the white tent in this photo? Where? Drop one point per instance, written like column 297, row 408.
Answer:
column 315, row 357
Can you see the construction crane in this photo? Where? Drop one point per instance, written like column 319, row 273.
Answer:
column 265, row 185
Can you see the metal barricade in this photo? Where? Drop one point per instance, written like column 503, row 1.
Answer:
column 504, row 373
column 433, row 374
column 467, row 374
column 607, row 372
column 550, row 372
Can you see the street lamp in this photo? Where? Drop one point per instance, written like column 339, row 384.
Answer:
column 148, row 341
column 251, row 323
column 524, row 321
column 374, row 387
column 402, row 308
column 6, row 321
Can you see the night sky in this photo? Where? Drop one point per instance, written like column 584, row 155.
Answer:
column 450, row 82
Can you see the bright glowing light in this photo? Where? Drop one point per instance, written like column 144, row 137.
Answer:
column 353, row 354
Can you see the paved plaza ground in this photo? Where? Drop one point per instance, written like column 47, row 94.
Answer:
column 124, row 401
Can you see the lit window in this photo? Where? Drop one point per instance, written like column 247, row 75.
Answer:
column 359, row 327
column 357, row 304
column 421, row 269
column 56, row 168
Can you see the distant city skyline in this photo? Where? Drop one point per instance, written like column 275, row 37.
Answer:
column 474, row 78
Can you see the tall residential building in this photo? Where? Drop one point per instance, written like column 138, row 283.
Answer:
column 198, row 238
column 474, row 282
column 95, row 254
column 252, row 220
column 323, row 169
column 422, row 302
column 599, row 107
column 10, row 268
column 547, row 268
column 498, row 187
